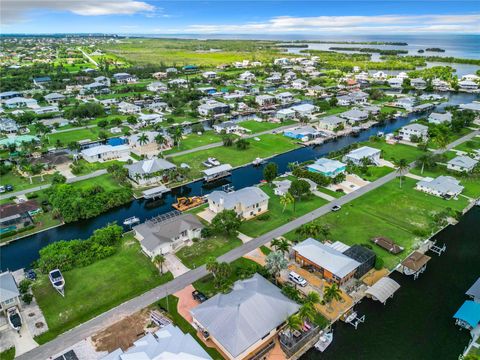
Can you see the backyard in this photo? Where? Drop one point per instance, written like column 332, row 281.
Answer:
column 395, row 152
column 259, row 126
column 93, row 289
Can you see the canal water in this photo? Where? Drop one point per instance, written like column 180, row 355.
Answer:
column 23, row 252
column 417, row 322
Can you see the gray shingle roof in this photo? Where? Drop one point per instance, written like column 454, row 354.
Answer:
column 8, row 287
column 239, row 319
column 247, row 197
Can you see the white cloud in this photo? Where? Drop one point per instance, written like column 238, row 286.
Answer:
column 17, row 10
column 468, row 23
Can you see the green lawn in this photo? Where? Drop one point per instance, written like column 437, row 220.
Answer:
column 432, row 143
column 22, row 183
column 395, row 152
column 256, row 126
column 94, row 289
column 278, row 216
column 170, row 304
column 193, row 141
column 74, row 135
column 402, row 214
column 42, row 221
column 106, row 181
column 375, row 172
column 8, row 354
column 197, row 254
column 269, row 145
column 86, row 168
column 469, row 146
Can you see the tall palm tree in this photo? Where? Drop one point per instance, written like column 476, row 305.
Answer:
column 331, row 293
column 293, row 323
column 286, row 199
column 281, row 245
column 159, row 260
column 312, row 298
column 402, row 169
column 142, row 139
column 160, row 140
column 212, row 266
column 442, row 141
column 307, row 312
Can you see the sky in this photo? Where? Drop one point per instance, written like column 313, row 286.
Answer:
column 380, row 17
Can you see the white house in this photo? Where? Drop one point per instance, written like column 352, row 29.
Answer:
column 395, row 83
column 355, row 115
column 287, row 113
column 365, row 152
column 213, row 107
column 128, row 108
column 440, row 118
column 247, row 76
column 304, row 109
column 247, row 202
column 124, row 78
column 149, row 171
column 471, row 77
column 380, row 75
column 299, row 84
column 209, row 75
column 54, row 98
column 265, row 100
column 284, row 97
column 105, row 153
column 227, row 127
column 178, row 83
column 157, row 86
column 443, row 186
column 468, row 85
column 17, row 102
column 331, row 122
column 418, row 130
column 462, row 163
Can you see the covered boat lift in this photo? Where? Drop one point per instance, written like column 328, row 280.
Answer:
column 415, row 264
column 468, row 316
column 383, row 289
column 155, row 192
column 217, row 172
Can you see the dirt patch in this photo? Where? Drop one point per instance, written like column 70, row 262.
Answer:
column 123, row 333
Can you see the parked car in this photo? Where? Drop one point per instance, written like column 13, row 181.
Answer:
column 199, row 296
column 30, row 274
column 336, row 207
column 2, row 189
column 9, row 187
column 297, row 279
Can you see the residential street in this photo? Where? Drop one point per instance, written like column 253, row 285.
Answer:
column 92, row 326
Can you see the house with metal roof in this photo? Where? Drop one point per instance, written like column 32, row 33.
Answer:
column 213, row 107
column 245, row 321
column 9, row 294
column 149, row 171
column 247, row 202
column 331, row 122
column 355, row 115
column 54, row 98
column 303, row 133
column 440, row 118
column 265, row 100
column 164, row 235
column 365, row 152
column 462, row 163
column 105, row 153
column 333, row 265
column 217, row 172
column 19, row 101
column 443, row 186
column 383, row 289
column 409, row 131
column 304, row 109
column 168, row 343
column 327, row 167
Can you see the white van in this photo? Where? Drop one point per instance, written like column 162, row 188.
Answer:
column 297, row 279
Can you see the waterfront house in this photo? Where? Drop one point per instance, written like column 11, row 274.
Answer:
column 265, row 100
column 303, row 133
column 9, row 294
column 462, row 163
column 213, row 107
column 227, row 127
column 168, row 343
column 474, row 106
column 365, row 152
column 474, row 291
column 443, row 186
column 468, row 85
column 304, row 109
column 105, row 153
column 334, row 266
column 248, row 202
column 284, row 97
column 244, row 322
column 414, row 130
column 471, row 77
column 440, row 85
column 327, row 167
column 355, row 115
column 440, row 118
column 149, row 171
column 287, row 113
column 14, row 216
column 418, row 83
column 160, row 235
column 54, row 98
column 406, row 103
column 331, row 122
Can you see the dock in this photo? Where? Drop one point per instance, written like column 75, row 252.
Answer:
column 155, row 192
column 217, row 172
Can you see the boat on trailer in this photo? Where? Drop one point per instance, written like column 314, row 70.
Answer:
column 324, row 341
column 14, row 319
column 57, row 280
column 131, row 221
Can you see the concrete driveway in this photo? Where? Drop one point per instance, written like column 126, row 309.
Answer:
column 174, row 265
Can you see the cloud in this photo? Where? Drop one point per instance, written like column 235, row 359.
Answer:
column 17, row 10
column 467, row 23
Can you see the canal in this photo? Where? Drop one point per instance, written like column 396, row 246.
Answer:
column 23, row 252
column 417, row 322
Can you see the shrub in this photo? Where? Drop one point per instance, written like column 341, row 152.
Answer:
column 379, row 263
column 24, row 286
column 263, row 217
column 27, row 298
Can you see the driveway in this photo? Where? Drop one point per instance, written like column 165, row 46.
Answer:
column 24, row 341
column 186, row 302
column 174, row 265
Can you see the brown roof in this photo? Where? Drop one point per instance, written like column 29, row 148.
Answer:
column 8, row 210
column 387, row 244
column 416, row 261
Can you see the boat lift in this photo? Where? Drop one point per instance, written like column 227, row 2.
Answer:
column 437, row 249
column 228, row 188
column 354, row 320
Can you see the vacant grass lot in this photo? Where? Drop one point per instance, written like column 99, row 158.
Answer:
column 470, row 146
column 193, row 141
column 375, row 172
column 74, row 135
column 277, row 216
column 21, row 183
column 395, row 152
column 257, row 126
column 87, row 168
column 92, row 290
column 402, row 214
column 433, row 144
column 197, row 254
column 106, row 181
column 269, row 145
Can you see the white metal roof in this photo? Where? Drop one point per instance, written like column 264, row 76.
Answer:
column 383, row 289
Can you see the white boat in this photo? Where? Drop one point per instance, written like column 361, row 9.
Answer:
column 57, row 280
column 131, row 220
column 14, row 319
column 380, row 134
column 213, row 161
column 257, row 161
column 325, row 340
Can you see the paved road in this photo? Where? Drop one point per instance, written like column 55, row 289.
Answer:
column 92, row 326
column 46, row 186
column 217, row 144
column 88, row 57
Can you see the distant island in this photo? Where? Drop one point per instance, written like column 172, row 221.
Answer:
column 435, row 50
column 395, row 43
column 370, row 50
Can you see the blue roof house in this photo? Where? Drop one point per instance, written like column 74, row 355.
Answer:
column 468, row 316
column 303, row 133
column 327, row 167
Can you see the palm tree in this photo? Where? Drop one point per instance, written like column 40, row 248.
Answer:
column 142, row 139
column 281, row 245
column 325, row 231
column 442, row 141
column 160, row 140
column 292, row 324
column 402, row 168
column 312, row 298
column 331, row 293
column 307, row 312
column 286, row 200
column 212, row 266
column 309, row 230
column 159, row 260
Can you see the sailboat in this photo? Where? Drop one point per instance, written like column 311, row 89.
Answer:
column 57, row 280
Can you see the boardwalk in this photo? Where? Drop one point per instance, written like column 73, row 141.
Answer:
column 111, row 316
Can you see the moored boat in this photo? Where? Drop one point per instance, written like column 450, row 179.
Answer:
column 131, row 220
column 57, row 280
column 324, row 341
